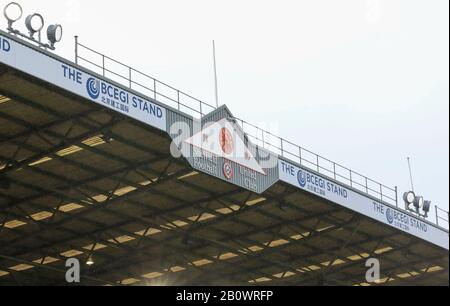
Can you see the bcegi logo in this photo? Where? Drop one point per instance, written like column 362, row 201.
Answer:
column 390, row 216
column 93, row 88
column 110, row 94
column 301, row 176
column 5, row 46
column 228, row 170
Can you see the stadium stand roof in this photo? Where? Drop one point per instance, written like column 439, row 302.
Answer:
column 80, row 179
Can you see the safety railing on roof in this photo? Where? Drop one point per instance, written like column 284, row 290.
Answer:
column 442, row 218
column 319, row 164
column 139, row 81
column 166, row 94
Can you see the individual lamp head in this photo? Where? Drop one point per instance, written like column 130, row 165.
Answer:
column 34, row 23
column 418, row 202
column 426, row 208
column 90, row 261
column 54, row 34
column 409, row 197
column 12, row 12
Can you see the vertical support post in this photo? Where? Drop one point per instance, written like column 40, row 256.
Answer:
column 263, row 139
column 318, row 161
column 367, row 186
column 351, row 178
column 437, row 215
column 129, row 75
column 154, row 87
column 396, row 195
column 334, row 171
column 76, row 49
column 103, row 64
column 300, row 155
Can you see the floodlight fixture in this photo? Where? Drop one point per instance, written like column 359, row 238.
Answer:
column 90, row 261
column 54, row 34
column 418, row 202
column 34, row 23
column 12, row 12
column 426, row 206
column 409, row 197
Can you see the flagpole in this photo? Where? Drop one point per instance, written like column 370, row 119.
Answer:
column 215, row 75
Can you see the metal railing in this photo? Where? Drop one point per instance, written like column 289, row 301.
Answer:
column 161, row 92
column 442, row 215
column 166, row 94
column 139, row 81
column 320, row 164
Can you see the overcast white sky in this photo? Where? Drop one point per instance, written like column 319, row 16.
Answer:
column 362, row 82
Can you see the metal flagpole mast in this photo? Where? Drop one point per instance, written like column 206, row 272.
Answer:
column 215, row 75
column 410, row 174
